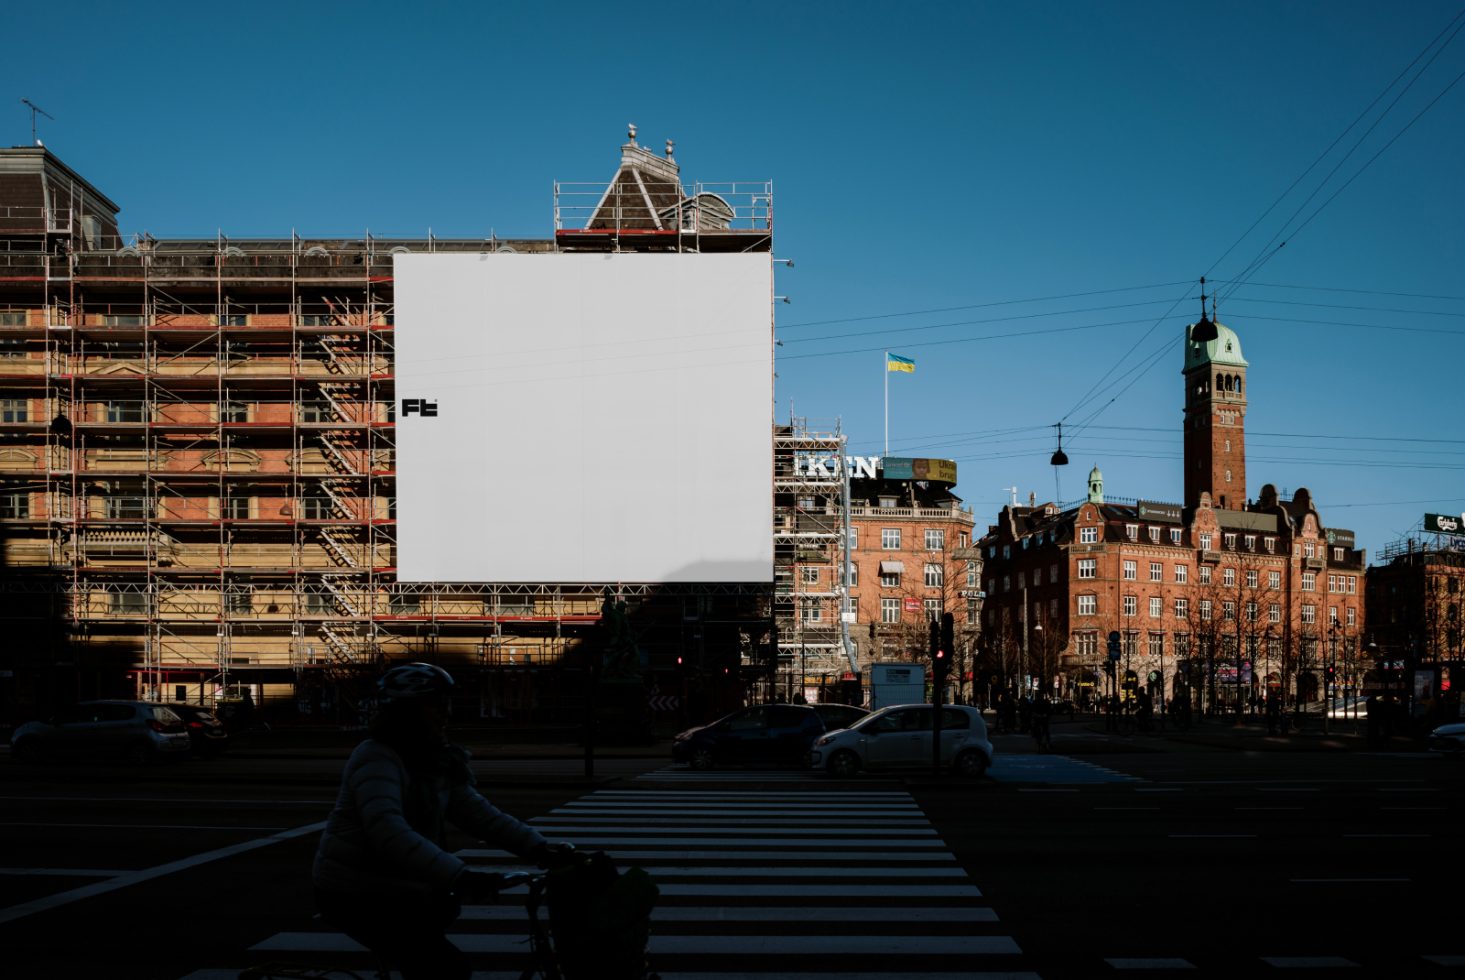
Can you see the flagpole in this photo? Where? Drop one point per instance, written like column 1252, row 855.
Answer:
column 885, row 370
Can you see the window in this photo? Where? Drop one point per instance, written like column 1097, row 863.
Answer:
column 1157, row 607
column 889, row 610
column 890, row 538
column 1182, row 645
column 1333, row 615
column 319, row 604
column 992, row 585
column 1154, row 535
column 1088, row 605
column 1205, row 541
column 935, row 539
column 123, row 320
column 853, row 578
column 1006, row 583
column 15, row 410
column 1157, row 571
column 315, row 508
column 1274, row 613
column 971, row 612
column 12, row 318
column 1271, row 545
column 933, row 609
column 1251, row 610
column 1274, row 580
column 1337, row 554
column 1131, row 531
column 1006, row 551
column 1088, row 568
column 1228, row 577
column 1353, row 584
column 117, row 411
column 854, row 539
column 125, row 507
column 961, row 539
column 233, row 319
column 1309, row 613
column 234, row 508
column 889, row 579
column 1205, row 609
column 1352, row 621
column 1053, row 573
column 128, row 603
column 1228, row 610
column 971, row 575
column 315, row 412
column 1182, row 574
column 1131, row 605
column 316, row 319
column 1182, row 608
column 810, row 574
column 1309, row 581
column 1229, row 539
column 1251, row 542
column 1308, row 549
column 1157, row 645
column 813, row 611
column 11, row 346
column 1175, row 535
column 1252, row 577
column 1088, row 535
column 935, row 575
column 1086, row 645
column 807, row 504
column 234, row 412
column 888, row 503
column 1332, row 583
column 1205, row 574
column 15, row 504
column 239, row 602
column 1129, row 571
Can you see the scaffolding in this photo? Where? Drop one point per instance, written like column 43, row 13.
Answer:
column 811, row 557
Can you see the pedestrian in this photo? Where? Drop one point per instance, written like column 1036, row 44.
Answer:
column 1274, row 714
column 382, row 874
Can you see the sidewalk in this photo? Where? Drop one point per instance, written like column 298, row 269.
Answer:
column 1250, row 734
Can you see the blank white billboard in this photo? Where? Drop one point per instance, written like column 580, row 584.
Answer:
column 584, row 418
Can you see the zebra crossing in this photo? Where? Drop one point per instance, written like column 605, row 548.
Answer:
column 754, row 882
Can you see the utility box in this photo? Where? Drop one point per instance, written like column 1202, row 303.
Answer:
column 896, row 684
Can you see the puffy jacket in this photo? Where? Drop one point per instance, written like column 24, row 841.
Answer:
column 386, row 833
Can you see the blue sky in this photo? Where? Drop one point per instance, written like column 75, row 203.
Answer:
column 1077, row 165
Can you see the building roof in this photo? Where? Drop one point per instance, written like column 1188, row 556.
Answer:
column 1225, row 349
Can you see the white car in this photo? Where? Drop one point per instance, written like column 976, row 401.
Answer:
column 899, row 737
column 1449, row 739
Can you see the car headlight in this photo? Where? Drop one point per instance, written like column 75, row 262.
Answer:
column 823, row 740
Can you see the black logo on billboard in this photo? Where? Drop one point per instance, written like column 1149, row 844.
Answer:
column 419, row 406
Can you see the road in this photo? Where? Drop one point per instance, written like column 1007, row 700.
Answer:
column 1111, row 854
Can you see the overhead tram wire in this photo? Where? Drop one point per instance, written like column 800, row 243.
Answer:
column 978, row 306
column 1338, row 139
column 1267, row 252
column 1255, row 266
column 1344, row 289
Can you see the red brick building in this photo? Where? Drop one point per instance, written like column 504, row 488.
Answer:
column 1224, row 596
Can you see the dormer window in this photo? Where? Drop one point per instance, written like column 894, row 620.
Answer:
column 887, row 502
column 1131, row 531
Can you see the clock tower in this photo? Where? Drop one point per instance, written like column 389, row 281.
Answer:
column 1215, row 416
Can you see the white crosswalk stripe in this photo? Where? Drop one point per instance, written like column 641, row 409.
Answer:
column 754, row 883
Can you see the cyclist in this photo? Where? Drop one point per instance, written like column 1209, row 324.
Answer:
column 381, row 872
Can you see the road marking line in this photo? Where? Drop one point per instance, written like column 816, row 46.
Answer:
column 722, row 854
column 806, row 945
column 1388, row 835
column 1040, row 789
column 1149, row 963
column 147, row 874
column 171, row 801
column 831, row 890
column 68, row 872
column 142, row 826
column 1214, row 836
column 1414, row 809
column 1309, row 962
column 1118, row 808
column 1289, row 789
column 1266, row 808
column 1159, row 789
column 1348, row 881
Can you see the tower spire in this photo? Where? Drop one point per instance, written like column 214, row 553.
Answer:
column 1204, row 330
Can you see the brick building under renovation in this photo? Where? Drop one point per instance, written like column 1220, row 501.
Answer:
column 197, row 465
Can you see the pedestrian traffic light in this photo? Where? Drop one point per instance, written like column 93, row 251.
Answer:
column 948, row 636
column 933, row 638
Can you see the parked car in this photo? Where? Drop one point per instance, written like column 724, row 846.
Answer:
column 1449, row 739
column 137, row 731
column 899, row 737
column 778, row 734
column 206, row 734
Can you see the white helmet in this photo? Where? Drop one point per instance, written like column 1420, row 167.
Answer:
column 407, row 682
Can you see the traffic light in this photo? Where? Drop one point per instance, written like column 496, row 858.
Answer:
column 933, row 644
column 948, row 636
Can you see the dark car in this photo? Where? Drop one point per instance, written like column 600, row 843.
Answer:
column 777, row 734
column 137, row 731
column 206, row 734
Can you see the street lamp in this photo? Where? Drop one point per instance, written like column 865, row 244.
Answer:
column 1038, row 629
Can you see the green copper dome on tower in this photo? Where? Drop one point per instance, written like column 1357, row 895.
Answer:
column 1225, row 349
column 1096, row 485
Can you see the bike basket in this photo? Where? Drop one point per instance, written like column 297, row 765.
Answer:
column 599, row 918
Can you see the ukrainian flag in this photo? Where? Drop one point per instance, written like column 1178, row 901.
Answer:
column 894, row 362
